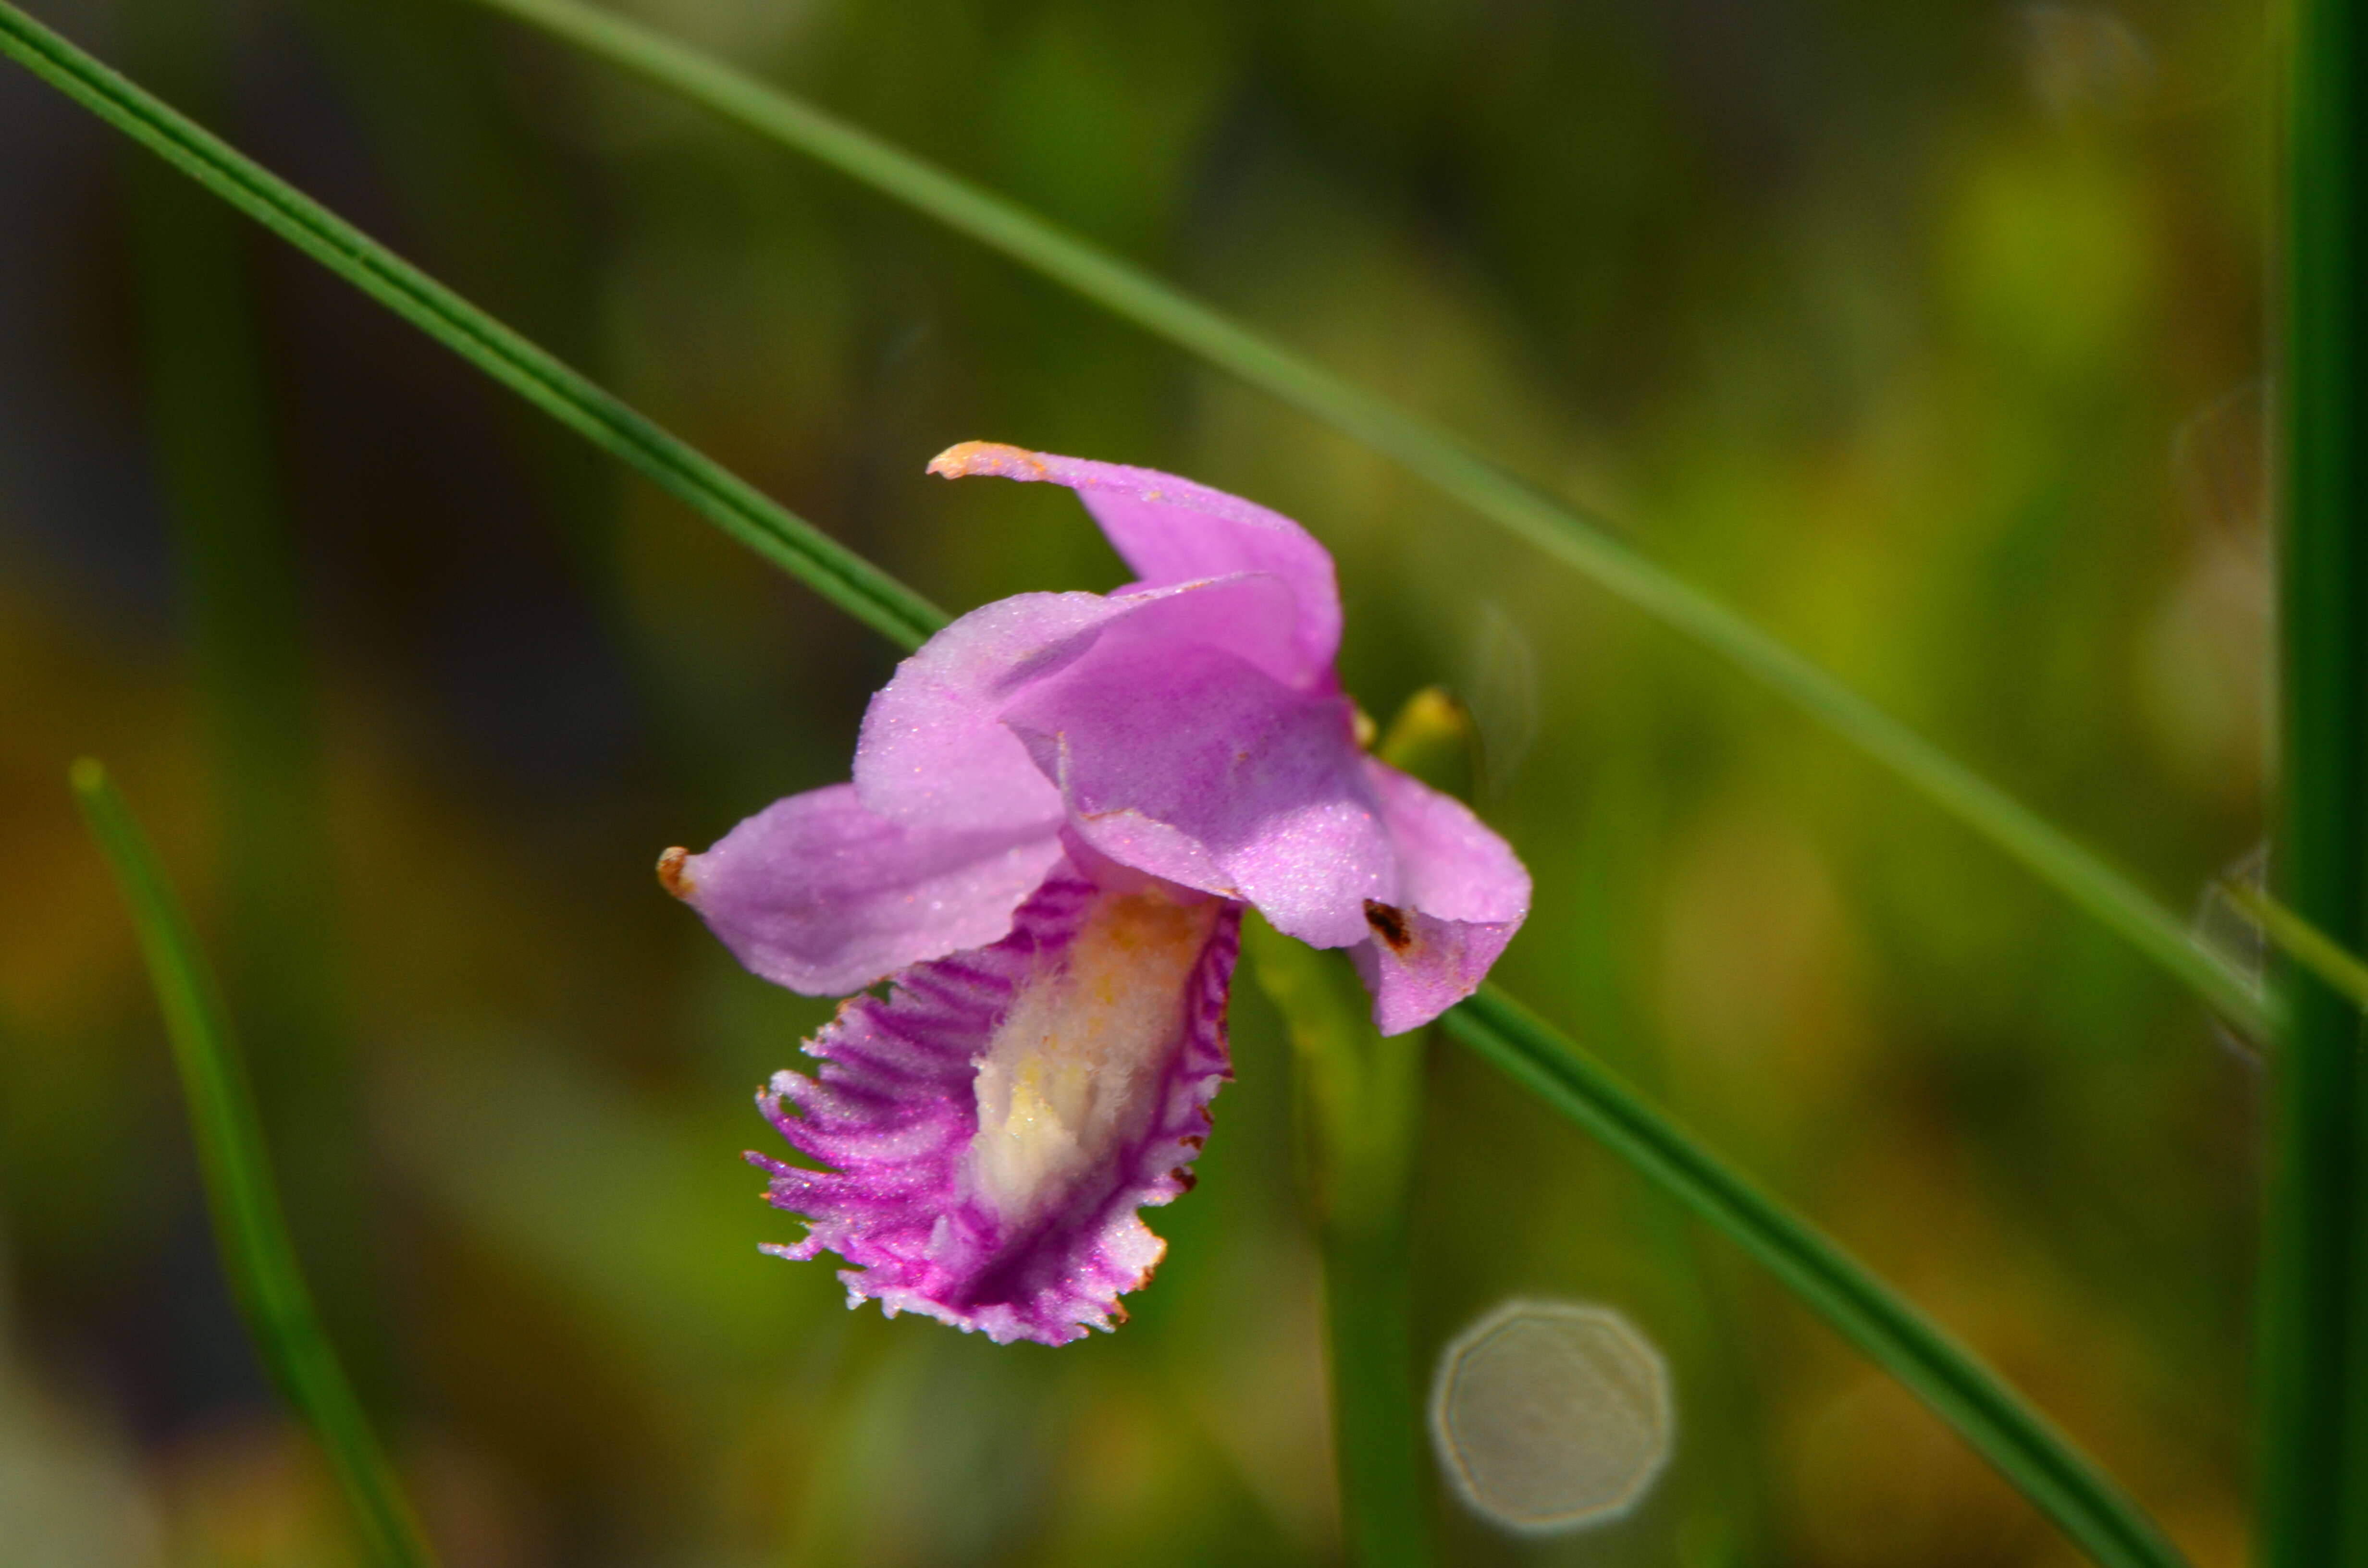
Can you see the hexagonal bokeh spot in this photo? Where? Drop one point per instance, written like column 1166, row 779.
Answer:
column 1552, row 1416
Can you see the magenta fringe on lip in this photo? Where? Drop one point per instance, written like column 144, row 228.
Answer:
column 893, row 1113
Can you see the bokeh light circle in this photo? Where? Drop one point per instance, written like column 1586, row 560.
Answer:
column 1552, row 1416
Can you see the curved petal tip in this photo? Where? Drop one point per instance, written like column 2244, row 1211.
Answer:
column 965, row 459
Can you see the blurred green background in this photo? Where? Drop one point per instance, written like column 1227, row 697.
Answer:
column 1929, row 334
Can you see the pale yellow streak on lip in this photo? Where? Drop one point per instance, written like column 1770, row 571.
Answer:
column 1073, row 1074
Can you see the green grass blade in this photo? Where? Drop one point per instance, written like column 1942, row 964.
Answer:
column 249, row 1230
column 2314, row 1312
column 837, row 573
column 1127, row 291
column 2026, row 1449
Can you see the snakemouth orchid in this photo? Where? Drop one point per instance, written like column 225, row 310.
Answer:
column 1060, row 807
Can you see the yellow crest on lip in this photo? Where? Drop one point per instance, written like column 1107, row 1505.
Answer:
column 1073, row 1071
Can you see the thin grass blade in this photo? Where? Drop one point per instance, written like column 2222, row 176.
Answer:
column 2087, row 877
column 250, row 1232
column 2002, row 1427
column 789, row 541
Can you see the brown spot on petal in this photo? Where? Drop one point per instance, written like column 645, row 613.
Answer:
column 1193, row 1141
column 965, row 459
column 671, row 873
column 1389, row 922
column 1118, row 1313
column 1182, row 1175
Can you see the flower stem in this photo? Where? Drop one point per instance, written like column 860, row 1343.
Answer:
column 1358, row 1105
column 2315, row 1279
column 250, row 1230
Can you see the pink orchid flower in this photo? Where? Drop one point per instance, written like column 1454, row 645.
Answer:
column 1060, row 805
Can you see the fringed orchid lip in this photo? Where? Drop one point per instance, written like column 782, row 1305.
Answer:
column 993, row 1125
column 1060, row 806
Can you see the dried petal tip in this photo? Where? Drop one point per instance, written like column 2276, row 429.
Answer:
column 671, row 875
column 965, row 459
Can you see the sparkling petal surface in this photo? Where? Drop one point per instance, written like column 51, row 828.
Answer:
column 991, row 1128
column 934, row 749
column 819, row 895
column 1170, row 530
column 1192, row 765
column 1462, row 895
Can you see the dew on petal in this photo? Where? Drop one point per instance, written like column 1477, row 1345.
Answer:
column 1552, row 1416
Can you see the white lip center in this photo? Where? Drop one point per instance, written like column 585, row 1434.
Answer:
column 1072, row 1072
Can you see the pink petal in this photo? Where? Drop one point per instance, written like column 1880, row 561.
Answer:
column 934, row 749
column 992, row 1128
column 1194, row 765
column 1462, row 895
column 1248, row 616
column 1170, row 530
column 818, row 895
